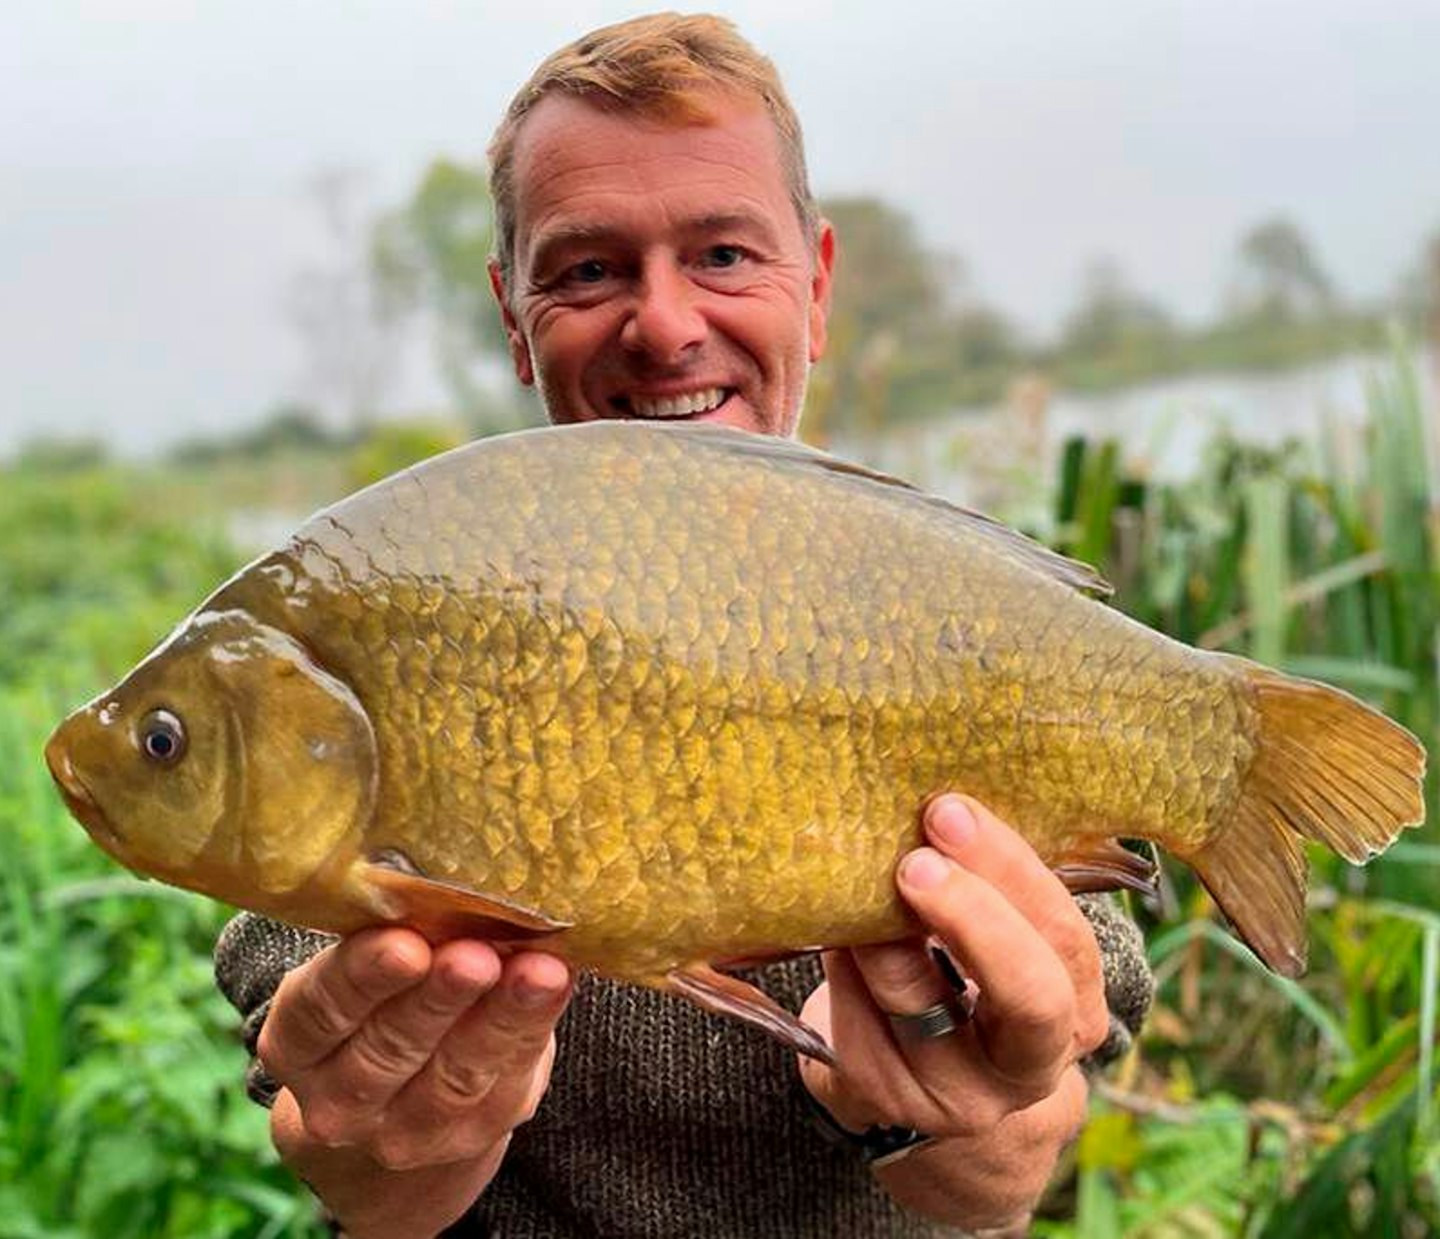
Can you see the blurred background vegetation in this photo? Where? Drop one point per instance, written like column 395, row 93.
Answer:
column 1253, row 1106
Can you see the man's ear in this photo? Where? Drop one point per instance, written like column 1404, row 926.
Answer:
column 519, row 349
column 820, row 289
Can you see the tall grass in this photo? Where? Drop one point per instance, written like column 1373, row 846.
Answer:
column 120, row 1113
column 1261, row 1107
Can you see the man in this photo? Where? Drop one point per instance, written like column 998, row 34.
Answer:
column 659, row 256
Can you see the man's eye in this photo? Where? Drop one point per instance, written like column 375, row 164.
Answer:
column 722, row 256
column 591, row 271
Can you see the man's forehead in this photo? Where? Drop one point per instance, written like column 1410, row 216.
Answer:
column 568, row 124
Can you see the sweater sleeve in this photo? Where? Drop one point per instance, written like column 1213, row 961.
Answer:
column 1129, row 983
column 252, row 956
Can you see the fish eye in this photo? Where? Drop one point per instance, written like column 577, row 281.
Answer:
column 162, row 737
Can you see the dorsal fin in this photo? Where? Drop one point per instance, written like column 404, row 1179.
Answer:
column 1009, row 542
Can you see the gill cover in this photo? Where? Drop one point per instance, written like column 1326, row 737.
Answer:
column 302, row 758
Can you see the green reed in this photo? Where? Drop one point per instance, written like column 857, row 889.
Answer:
column 1302, row 1109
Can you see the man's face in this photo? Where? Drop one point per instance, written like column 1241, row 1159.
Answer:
column 660, row 271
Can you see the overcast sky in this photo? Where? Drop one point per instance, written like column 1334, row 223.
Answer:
column 154, row 158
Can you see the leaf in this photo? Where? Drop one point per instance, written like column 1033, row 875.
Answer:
column 1321, row 1206
column 118, row 1167
column 1353, row 673
column 1110, row 1142
column 1168, row 943
column 1267, row 567
column 1098, row 1207
column 1394, row 1049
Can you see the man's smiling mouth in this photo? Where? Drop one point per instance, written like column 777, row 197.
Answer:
column 688, row 404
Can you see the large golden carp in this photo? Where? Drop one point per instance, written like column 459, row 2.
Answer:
column 659, row 697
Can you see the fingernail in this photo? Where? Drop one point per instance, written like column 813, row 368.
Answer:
column 951, row 821
column 924, row 869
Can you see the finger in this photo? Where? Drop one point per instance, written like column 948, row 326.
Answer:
column 503, row 1037
column 859, row 1042
column 320, row 1004
column 969, row 833
column 896, row 1074
column 287, row 1127
column 1026, row 1011
column 345, row 1095
column 488, row 1072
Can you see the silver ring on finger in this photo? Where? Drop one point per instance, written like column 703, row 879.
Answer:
column 930, row 1024
column 946, row 1016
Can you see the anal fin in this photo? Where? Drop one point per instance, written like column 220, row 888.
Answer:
column 444, row 909
column 719, row 994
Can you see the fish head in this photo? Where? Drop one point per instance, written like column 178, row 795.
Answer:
column 229, row 762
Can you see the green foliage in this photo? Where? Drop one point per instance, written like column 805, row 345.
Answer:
column 390, row 448
column 1231, row 343
column 1280, row 277
column 898, row 344
column 120, row 1108
column 433, row 254
column 61, row 455
column 1419, row 294
column 1262, row 1107
column 1114, row 325
column 92, row 566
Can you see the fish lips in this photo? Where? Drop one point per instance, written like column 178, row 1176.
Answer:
column 78, row 798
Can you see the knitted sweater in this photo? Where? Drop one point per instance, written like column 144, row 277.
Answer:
column 663, row 1121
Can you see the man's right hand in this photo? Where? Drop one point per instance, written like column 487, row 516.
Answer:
column 405, row 1068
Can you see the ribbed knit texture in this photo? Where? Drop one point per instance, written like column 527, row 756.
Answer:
column 662, row 1122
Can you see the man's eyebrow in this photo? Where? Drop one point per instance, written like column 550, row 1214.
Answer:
column 571, row 235
column 744, row 223
column 579, row 231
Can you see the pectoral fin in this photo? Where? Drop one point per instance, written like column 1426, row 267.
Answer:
column 1104, row 865
column 725, row 995
column 444, row 909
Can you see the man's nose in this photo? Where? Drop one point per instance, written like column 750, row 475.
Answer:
column 666, row 319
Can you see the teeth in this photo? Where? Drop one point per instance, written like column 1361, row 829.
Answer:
column 679, row 406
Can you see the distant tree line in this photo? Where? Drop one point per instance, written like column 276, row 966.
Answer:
column 290, row 427
column 909, row 338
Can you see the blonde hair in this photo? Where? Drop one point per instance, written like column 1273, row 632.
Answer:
column 663, row 66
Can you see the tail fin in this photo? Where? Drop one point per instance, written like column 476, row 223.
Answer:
column 1327, row 768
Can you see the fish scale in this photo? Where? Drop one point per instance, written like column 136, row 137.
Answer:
column 657, row 697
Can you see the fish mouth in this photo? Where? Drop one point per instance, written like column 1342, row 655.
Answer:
column 78, row 798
